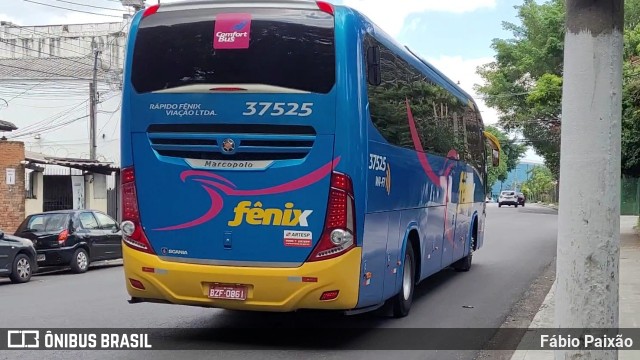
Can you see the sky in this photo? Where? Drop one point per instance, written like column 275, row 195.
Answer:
column 453, row 35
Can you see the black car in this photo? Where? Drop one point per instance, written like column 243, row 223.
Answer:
column 521, row 199
column 17, row 258
column 73, row 238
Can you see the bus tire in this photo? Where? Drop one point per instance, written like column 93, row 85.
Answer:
column 464, row 264
column 403, row 300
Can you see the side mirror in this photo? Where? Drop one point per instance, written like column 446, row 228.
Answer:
column 374, row 73
column 1, row 235
column 495, row 148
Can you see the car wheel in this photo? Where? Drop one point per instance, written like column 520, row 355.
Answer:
column 22, row 269
column 499, row 204
column 516, row 205
column 402, row 301
column 80, row 261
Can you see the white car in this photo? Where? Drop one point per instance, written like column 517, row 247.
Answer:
column 508, row 198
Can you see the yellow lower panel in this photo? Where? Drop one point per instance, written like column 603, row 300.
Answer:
column 269, row 289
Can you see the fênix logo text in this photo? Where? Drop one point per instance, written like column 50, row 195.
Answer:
column 255, row 214
column 67, row 339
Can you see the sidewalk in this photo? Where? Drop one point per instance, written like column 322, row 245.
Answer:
column 629, row 294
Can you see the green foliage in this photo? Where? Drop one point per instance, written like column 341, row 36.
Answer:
column 524, row 82
column 631, row 126
column 509, row 157
column 540, row 184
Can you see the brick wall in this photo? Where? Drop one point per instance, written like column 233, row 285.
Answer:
column 12, row 197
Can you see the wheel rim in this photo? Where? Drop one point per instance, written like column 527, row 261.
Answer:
column 24, row 268
column 82, row 260
column 406, row 279
column 472, row 245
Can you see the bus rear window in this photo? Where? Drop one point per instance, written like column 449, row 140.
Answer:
column 286, row 48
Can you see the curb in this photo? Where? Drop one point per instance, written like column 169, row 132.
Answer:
column 554, row 207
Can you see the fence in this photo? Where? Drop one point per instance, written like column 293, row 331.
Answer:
column 630, row 196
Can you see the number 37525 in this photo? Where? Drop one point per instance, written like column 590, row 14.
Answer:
column 278, row 109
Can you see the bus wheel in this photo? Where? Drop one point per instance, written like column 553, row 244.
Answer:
column 402, row 301
column 464, row 264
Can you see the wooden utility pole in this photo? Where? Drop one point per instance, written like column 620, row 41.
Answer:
column 589, row 215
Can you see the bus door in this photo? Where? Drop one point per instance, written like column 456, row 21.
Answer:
column 449, row 183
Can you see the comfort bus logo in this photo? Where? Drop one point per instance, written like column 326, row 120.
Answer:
column 232, row 31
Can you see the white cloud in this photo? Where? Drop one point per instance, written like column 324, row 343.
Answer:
column 390, row 16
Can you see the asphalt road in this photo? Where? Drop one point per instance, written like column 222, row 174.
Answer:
column 519, row 245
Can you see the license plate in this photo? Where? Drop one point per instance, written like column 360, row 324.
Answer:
column 41, row 257
column 228, row 292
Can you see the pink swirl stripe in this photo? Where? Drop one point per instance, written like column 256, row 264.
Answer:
column 217, row 202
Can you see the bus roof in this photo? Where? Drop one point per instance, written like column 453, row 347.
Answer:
column 200, row 4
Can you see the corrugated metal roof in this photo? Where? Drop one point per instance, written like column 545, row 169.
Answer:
column 81, row 164
column 53, row 68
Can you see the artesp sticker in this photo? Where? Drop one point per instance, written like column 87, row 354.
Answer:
column 294, row 238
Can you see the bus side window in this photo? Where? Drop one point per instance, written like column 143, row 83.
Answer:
column 374, row 75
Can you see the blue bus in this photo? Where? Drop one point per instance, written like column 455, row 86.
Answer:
column 290, row 155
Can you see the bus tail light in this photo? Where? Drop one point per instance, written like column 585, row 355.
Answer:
column 339, row 234
column 132, row 233
column 325, row 7
column 150, row 10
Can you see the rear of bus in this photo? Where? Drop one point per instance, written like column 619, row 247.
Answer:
column 233, row 195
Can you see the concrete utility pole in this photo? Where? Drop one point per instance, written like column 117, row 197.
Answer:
column 93, row 107
column 589, row 218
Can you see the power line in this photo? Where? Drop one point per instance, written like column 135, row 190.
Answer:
column 42, row 72
column 41, row 124
column 51, row 128
column 91, row 6
column 51, row 57
column 65, row 8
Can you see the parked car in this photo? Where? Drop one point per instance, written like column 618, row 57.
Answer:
column 73, row 238
column 521, row 199
column 508, row 198
column 17, row 258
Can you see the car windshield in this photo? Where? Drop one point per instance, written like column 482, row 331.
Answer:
column 508, row 193
column 46, row 223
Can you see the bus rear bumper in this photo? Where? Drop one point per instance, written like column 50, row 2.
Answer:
column 269, row 289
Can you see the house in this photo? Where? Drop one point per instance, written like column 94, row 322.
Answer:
column 34, row 182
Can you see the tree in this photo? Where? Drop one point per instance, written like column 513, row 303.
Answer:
column 524, row 82
column 509, row 157
column 540, row 183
